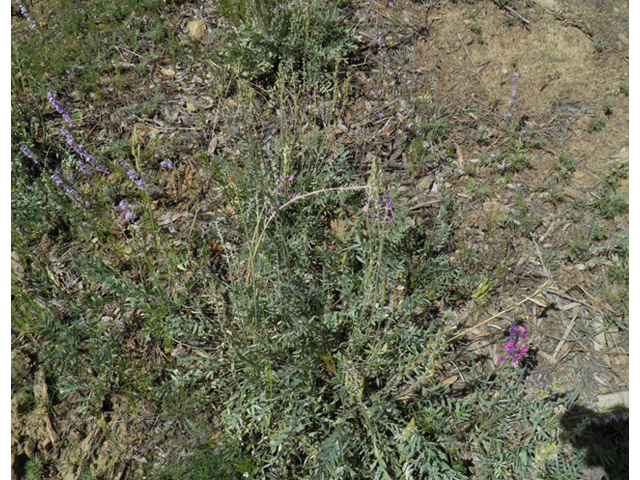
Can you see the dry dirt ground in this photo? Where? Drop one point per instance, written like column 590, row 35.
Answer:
column 573, row 61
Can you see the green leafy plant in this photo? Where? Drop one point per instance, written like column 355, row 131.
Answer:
column 564, row 164
column 607, row 107
column 597, row 123
column 312, row 40
column 624, row 88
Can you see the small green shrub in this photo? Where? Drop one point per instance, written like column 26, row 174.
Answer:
column 607, row 107
column 624, row 88
column 224, row 462
column 612, row 205
column 599, row 45
column 564, row 164
column 597, row 123
column 311, row 40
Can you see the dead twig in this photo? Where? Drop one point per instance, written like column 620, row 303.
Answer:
column 474, row 66
column 513, row 12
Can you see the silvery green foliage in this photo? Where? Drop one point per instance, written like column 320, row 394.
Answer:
column 308, row 39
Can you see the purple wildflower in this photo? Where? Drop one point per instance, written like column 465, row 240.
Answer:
column 133, row 176
column 168, row 164
column 37, row 160
column 52, row 97
column 80, row 150
column 390, row 208
column 129, row 213
column 291, row 178
column 514, row 92
column 516, row 347
column 381, row 43
column 57, row 178
column 25, row 14
column 385, row 209
column 70, row 75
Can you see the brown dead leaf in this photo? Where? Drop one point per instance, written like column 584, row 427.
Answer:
column 450, row 380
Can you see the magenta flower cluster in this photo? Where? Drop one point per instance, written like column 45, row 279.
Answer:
column 385, row 209
column 281, row 187
column 516, row 347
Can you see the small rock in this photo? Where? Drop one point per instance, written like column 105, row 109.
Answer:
column 623, row 38
column 425, row 184
column 613, row 399
column 583, row 122
column 571, row 192
column 16, row 268
column 624, row 186
column 496, row 211
column 196, row 30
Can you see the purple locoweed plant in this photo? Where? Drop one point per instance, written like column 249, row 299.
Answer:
column 619, row 417
column 36, row 159
column 166, row 164
column 282, row 183
column 25, row 14
column 514, row 92
column 57, row 177
column 53, row 99
column 516, row 347
column 127, row 211
column 83, row 154
column 385, row 209
column 134, row 177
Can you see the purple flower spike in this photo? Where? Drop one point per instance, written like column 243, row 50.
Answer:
column 515, row 347
column 37, row 160
column 52, row 97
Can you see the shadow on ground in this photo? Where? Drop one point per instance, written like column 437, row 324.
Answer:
column 604, row 438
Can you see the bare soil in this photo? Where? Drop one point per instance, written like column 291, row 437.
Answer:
column 571, row 57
